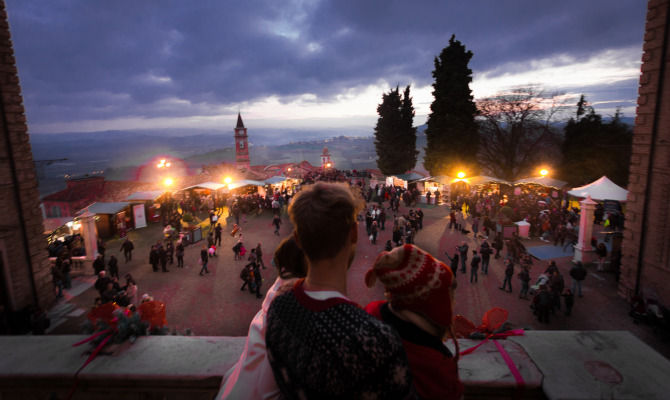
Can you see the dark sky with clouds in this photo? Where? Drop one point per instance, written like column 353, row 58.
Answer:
column 96, row 65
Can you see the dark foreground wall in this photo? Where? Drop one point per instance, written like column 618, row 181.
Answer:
column 646, row 245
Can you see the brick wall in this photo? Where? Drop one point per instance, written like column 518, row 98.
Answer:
column 19, row 198
column 647, row 229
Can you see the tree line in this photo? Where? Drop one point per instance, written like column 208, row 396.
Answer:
column 508, row 135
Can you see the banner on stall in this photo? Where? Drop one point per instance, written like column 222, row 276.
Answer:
column 140, row 217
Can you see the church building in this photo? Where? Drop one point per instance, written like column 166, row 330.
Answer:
column 241, row 145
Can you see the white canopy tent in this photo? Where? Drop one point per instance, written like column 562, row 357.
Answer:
column 602, row 189
column 245, row 182
column 207, row 185
column 542, row 181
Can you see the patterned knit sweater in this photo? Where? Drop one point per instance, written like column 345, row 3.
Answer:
column 332, row 349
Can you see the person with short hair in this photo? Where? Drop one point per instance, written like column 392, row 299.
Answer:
column 320, row 344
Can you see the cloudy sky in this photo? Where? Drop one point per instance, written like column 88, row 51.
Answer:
column 93, row 65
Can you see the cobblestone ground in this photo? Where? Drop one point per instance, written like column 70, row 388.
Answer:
column 213, row 305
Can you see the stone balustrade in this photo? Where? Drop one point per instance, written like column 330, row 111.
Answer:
column 552, row 364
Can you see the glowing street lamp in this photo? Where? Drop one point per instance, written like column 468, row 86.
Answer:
column 168, row 182
column 227, row 180
column 544, row 172
column 329, row 165
column 460, row 175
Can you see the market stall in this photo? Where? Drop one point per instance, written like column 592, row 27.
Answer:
column 146, row 206
column 111, row 218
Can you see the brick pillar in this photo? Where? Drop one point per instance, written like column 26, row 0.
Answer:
column 22, row 242
column 646, row 243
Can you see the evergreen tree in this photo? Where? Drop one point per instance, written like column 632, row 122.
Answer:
column 395, row 136
column 593, row 148
column 452, row 135
column 407, row 139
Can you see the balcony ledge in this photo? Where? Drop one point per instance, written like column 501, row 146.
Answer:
column 553, row 364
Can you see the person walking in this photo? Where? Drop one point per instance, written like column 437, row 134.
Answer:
column 180, row 254
column 217, row 234
column 170, row 252
column 463, row 250
column 474, row 266
column 66, row 268
column 163, row 258
column 127, row 248
column 374, row 231
column 204, row 258
column 485, row 251
column 509, row 272
column 98, row 264
column 578, row 274
column 153, row 258
column 259, row 256
column 569, row 299
column 524, row 277
column 276, row 221
column 258, row 280
column 498, row 245
column 453, row 262
column 113, row 266
column 246, row 275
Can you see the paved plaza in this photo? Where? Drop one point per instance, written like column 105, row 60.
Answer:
column 213, row 305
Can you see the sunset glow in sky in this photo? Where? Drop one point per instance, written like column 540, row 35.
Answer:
column 98, row 65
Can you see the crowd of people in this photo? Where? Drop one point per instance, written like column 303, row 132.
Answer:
column 387, row 349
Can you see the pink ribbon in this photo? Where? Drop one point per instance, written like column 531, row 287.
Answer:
column 94, row 354
column 506, row 357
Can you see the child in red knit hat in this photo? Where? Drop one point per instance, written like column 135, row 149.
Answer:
column 419, row 289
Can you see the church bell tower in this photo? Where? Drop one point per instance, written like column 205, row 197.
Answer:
column 241, row 145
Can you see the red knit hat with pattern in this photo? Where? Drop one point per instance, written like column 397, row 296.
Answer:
column 415, row 281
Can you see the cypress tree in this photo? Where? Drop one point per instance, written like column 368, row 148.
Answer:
column 452, row 135
column 408, row 133
column 395, row 136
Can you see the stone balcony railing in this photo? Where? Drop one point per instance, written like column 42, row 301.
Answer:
column 552, row 364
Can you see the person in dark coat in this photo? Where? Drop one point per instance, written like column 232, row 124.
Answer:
column 509, row 272
column 113, row 265
column 170, row 252
column 98, row 264
column 453, row 262
column 578, row 274
column 542, row 304
column 101, row 283
column 204, row 258
column 258, row 280
column 153, row 258
column 163, row 258
column 127, row 248
column 217, row 234
column 180, row 254
column 485, row 251
column 569, row 301
column 463, row 250
column 101, row 250
column 474, row 266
